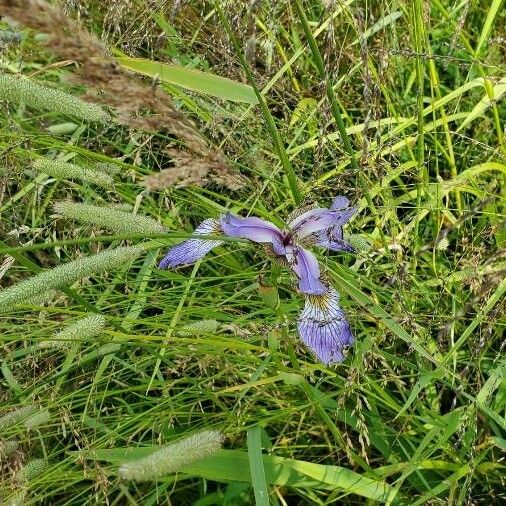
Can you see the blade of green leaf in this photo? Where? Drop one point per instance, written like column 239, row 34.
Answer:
column 378, row 312
column 494, row 9
column 233, row 465
column 379, row 25
column 191, row 79
column 257, row 467
column 486, row 102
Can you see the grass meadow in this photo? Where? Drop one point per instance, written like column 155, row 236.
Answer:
column 125, row 124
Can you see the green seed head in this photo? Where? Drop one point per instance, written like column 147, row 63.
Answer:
column 31, row 470
column 37, row 419
column 66, row 274
column 22, row 90
column 64, row 170
column 198, row 328
column 13, row 417
column 171, row 458
column 115, row 219
column 80, row 330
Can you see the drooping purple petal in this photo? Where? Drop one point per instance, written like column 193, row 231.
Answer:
column 323, row 327
column 188, row 252
column 305, row 265
column 254, row 229
column 312, row 221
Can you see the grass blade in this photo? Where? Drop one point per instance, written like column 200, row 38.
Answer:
column 257, row 467
column 233, row 465
column 191, row 79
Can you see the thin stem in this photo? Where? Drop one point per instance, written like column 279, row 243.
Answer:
column 418, row 38
column 271, row 125
column 334, row 105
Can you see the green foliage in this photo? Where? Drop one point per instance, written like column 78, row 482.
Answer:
column 191, row 79
column 401, row 108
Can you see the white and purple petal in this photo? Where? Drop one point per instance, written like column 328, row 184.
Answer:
column 191, row 250
column 323, row 327
column 306, row 267
column 254, row 229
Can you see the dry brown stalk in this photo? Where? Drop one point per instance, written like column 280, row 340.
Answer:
column 136, row 103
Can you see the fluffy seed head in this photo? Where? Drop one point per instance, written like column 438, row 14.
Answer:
column 359, row 242
column 80, row 330
column 115, row 219
column 7, row 448
column 31, row 470
column 200, row 327
column 66, row 274
column 22, row 90
column 16, row 416
column 64, row 170
column 171, row 458
column 37, row 419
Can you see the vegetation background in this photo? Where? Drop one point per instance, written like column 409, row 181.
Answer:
column 397, row 105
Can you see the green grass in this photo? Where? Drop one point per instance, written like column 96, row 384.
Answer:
column 399, row 106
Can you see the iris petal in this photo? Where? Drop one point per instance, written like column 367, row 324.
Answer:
column 188, row 252
column 332, row 237
column 323, row 327
column 334, row 243
column 340, row 202
column 254, row 229
column 305, row 266
column 344, row 215
column 312, row 221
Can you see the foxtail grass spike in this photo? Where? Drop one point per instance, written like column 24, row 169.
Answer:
column 40, row 418
column 62, row 128
column 443, row 244
column 13, row 417
column 82, row 329
column 31, row 470
column 64, row 170
column 200, row 327
column 107, row 217
column 171, row 458
column 22, row 90
column 358, row 242
column 42, row 298
column 66, row 274
column 7, row 448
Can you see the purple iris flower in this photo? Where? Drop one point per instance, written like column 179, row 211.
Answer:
column 322, row 324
